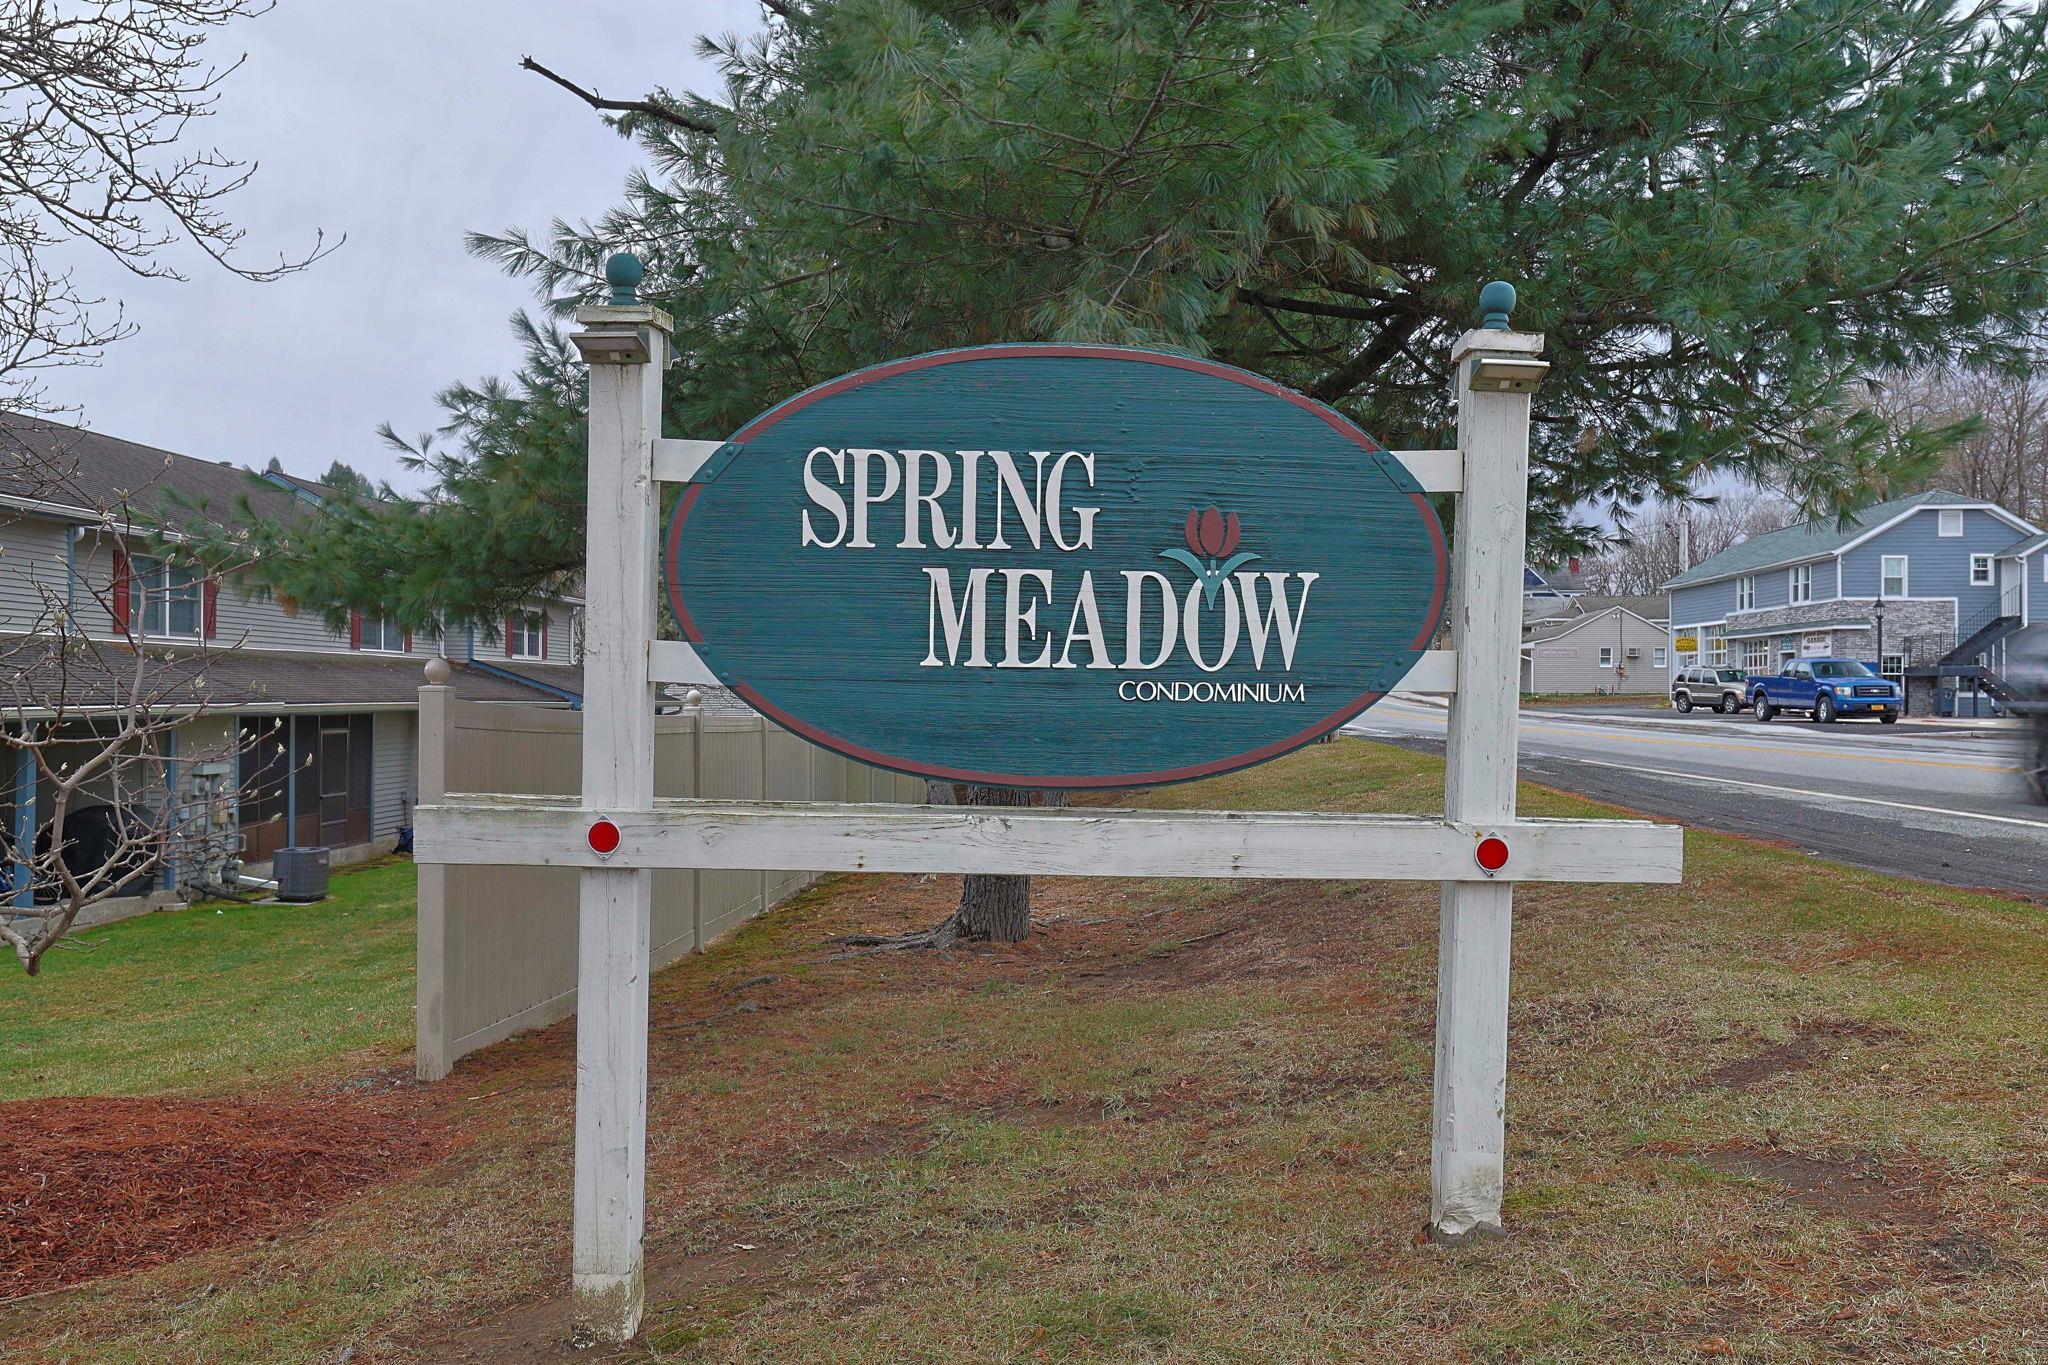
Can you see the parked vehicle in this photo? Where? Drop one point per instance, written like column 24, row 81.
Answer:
column 1826, row 689
column 1717, row 689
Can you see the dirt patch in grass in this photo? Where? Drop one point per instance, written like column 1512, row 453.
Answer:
column 1898, row 1213
column 694, row 1300
column 1840, row 1184
column 1814, row 1043
column 92, row 1186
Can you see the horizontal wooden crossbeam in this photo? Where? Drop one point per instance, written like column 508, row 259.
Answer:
column 543, row 831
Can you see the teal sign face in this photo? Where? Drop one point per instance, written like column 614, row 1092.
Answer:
column 1056, row 566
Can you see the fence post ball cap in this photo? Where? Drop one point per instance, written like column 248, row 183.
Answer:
column 623, row 272
column 1491, row 853
column 438, row 672
column 603, row 837
column 1496, row 301
column 693, row 698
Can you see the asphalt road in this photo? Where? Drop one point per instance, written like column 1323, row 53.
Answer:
column 1943, row 805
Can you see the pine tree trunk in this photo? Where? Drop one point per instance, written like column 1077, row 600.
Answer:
column 996, row 909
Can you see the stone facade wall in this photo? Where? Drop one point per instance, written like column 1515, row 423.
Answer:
column 1922, row 630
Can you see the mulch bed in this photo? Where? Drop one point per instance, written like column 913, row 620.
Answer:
column 93, row 1186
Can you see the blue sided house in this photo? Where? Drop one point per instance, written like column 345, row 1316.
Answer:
column 1932, row 589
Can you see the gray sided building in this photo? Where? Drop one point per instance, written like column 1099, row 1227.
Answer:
column 1590, row 643
column 318, row 718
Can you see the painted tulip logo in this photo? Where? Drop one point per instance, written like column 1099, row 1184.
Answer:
column 1211, row 553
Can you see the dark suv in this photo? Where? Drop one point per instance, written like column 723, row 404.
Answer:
column 1718, row 689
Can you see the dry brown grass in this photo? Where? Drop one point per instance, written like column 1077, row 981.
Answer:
column 1785, row 1112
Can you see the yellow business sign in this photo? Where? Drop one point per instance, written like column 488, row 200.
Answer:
column 1687, row 644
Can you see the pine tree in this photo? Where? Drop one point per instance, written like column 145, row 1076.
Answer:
column 1727, row 219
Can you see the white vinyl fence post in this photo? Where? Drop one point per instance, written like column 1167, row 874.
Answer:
column 1467, row 1139
column 625, row 343
column 431, row 1059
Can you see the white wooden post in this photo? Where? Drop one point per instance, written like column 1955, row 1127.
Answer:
column 1467, row 1139
column 625, row 343
column 431, row 1060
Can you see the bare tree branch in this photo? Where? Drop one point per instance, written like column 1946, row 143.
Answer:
column 660, row 112
column 96, row 97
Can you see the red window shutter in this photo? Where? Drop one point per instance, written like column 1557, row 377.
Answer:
column 543, row 635
column 408, row 642
column 355, row 630
column 122, row 580
column 510, row 622
column 210, row 607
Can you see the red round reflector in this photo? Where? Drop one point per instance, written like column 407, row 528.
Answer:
column 1492, row 853
column 604, row 838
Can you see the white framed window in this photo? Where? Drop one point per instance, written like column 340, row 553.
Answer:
column 1745, row 594
column 1657, row 658
column 1980, row 571
column 167, row 598
column 526, row 637
column 1756, row 655
column 1894, row 582
column 1607, row 656
column 1799, row 584
column 1893, row 666
column 382, row 635
column 1717, row 651
column 2044, row 568
column 1951, row 522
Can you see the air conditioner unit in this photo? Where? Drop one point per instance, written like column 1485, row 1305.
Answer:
column 1635, row 654
column 301, row 874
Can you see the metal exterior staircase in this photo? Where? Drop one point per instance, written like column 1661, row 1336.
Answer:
column 1980, row 633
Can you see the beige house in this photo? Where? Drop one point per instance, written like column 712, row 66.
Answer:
column 1599, row 644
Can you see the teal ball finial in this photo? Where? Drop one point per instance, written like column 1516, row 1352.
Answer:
column 1496, row 301
column 623, row 272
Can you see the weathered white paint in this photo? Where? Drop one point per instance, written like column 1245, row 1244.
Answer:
column 678, row 461
column 1438, row 471
column 1436, row 672
column 539, row 831
column 1468, row 1127
column 615, row 903
column 677, row 661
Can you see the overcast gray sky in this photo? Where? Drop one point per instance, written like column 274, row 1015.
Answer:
column 402, row 124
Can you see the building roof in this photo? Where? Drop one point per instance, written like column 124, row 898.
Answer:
column 1811, row 539
column 1591, row 606
column 35, row 675
column 50, row 462
column 2024, row 546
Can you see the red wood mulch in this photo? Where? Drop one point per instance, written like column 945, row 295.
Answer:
column 90, row 1187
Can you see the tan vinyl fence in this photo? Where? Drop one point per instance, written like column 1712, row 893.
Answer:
column 497, row 945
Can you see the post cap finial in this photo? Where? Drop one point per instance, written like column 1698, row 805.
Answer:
column 438, row 672
column 623, row 272
column 1496, row 301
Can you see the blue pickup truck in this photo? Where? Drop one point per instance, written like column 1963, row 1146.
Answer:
column 1825, row 689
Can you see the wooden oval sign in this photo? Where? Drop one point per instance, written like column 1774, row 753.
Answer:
column 1056, row 566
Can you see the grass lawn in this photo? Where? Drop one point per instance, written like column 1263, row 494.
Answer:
column 218, row 1000
column 1649, row 701
column 1785, row 1112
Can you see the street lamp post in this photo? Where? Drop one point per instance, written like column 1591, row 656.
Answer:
column 1880, row 650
